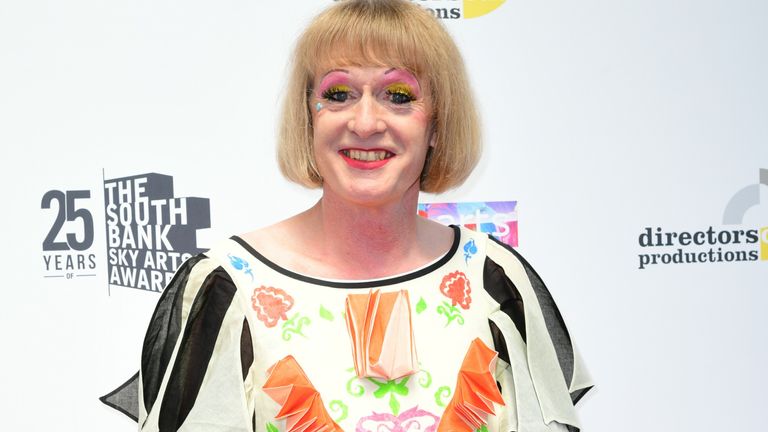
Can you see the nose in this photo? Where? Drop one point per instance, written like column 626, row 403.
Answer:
column 366, row 120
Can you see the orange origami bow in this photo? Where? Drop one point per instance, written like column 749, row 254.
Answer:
column 475, row 392
column 381, row 332
column 288, row 385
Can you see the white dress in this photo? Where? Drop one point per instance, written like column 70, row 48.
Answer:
column 230, row 314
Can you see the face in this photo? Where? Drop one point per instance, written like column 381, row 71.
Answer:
column 371, row 133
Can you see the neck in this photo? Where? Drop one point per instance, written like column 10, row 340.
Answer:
column 363, row 241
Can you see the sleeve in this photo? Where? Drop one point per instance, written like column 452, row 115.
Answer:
column 540, row 373
column 196, row 355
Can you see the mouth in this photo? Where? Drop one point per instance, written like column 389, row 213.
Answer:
column 367, row 155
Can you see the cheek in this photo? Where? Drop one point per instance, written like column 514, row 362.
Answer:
column 415, row 125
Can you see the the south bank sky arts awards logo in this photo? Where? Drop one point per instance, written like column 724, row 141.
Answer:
column 732, row 241
column 149, row 232
column 456, row 9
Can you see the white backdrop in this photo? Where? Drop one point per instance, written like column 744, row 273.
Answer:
column 601, row 118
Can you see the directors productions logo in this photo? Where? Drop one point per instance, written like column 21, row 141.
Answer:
column 149, row 232
column 733, row 242
column 455, row 9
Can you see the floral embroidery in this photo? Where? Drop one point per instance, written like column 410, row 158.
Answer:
column 325, row 314
column 470, row 248
column 441, row 394
column 456, row 287
column 340, row 407
column 451, row 313
column 294, row 326
column 412, row 420
column 240, row 264
column 392, row 388
column 421, row 305
column 271, row 304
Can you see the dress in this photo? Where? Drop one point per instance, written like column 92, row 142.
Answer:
column 230, row 314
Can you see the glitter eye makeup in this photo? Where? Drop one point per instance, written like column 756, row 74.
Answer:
column 400, row 93
column 402, row 86
column 336, row 93
column 397, row 87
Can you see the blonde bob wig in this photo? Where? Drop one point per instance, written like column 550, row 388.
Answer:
column 392, row 33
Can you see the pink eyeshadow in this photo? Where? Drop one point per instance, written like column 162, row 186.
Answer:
column 333, row 78
column 405, row 77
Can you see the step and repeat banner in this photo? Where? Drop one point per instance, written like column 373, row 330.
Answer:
column 626, row 157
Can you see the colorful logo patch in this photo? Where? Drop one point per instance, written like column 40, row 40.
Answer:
column 497, row 218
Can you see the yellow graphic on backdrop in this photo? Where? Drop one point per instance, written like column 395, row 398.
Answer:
column 764, row 243
column 476, row 8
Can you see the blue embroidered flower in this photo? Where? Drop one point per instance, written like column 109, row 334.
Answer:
column 469, row 249
column 240, row 264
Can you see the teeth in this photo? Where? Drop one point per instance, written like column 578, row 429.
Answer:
column 367, row 155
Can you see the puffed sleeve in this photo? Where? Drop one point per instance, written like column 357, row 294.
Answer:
column 196, row 355
column 540, row 373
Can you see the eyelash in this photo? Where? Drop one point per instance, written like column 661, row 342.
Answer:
column 337, row 93
column 400, row 90
column 398, row 94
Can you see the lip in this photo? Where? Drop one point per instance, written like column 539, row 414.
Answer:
column 364, row 165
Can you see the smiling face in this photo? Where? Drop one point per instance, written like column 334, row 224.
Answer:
column 372, row 128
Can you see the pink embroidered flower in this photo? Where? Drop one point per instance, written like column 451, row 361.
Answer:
column 456, row 287
column 412, row 420
column 271, row 304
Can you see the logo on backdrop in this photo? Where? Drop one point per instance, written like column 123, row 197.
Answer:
column 731, row 242
column 149, row 232
column 455, row 9
column 497, row 218
column 68, row 257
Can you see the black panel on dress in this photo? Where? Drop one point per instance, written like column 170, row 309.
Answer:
column 246, row 348
column 506, row 294
column 125, row 398
column 499, row 343
column 578, row 394
column 196, row 348
column 163, row 332
column 552, row 317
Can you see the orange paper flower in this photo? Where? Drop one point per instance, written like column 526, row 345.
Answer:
column 475, row 392
column 301, row 406
column 381, row 332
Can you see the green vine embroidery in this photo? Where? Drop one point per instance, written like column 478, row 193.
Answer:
column 325, row 314
column 395, row 388
column 354, row 388
column 337, row 405
column 421, row 305
column 272, row 428
column 482, row 429
column 451, row 312
column 294, row 326
column 391, row 388
column 425, row 380
column 441, row 394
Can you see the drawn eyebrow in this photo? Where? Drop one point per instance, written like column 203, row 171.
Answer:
column 334, row 70
column 390, row 70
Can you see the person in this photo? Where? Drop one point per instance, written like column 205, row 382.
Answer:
column 358, row 314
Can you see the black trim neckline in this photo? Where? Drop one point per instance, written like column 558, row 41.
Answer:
column 357, row 284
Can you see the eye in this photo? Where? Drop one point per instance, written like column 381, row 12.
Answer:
column 400, row 94
column 337, row 93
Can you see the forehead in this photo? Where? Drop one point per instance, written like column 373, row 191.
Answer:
column 343, row 55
